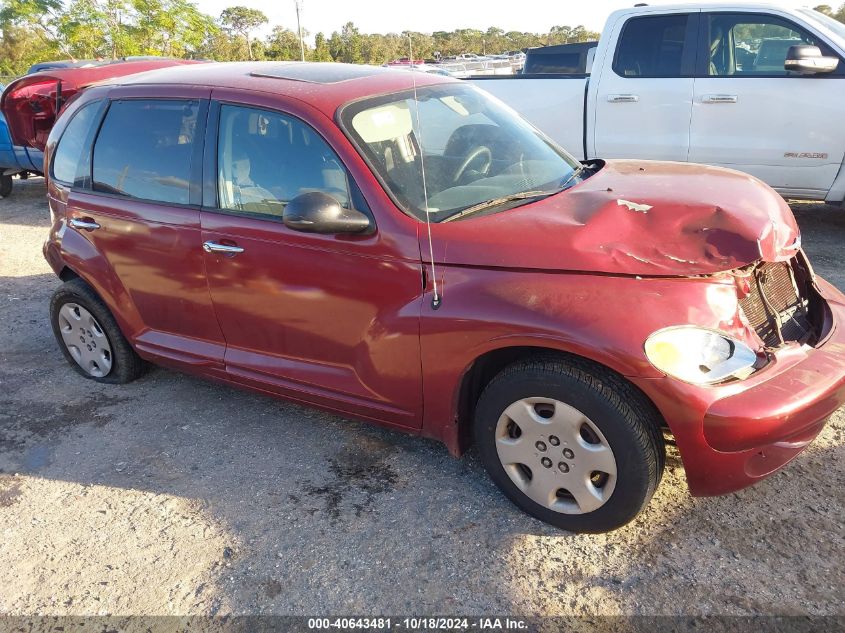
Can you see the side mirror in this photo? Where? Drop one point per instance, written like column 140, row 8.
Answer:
column 318, row 212
column 808, row 60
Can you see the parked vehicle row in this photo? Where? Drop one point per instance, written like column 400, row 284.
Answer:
column 756, row 88
column 404, row 249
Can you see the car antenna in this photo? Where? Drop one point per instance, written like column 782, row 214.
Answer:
column 435, row 299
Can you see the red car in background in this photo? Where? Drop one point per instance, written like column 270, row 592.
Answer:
column 32, row 102
column 401, row 248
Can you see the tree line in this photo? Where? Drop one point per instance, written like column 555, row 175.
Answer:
column 39, row 30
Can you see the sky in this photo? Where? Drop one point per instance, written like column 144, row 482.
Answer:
column 385, row 16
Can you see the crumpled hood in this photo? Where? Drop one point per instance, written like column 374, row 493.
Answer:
column 632, row 218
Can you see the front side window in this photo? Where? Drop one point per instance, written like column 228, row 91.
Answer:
column 145, row 150
column 69, row 151
column 265, row 159
column 652, row 46
column 749, row 45
column 452, row 147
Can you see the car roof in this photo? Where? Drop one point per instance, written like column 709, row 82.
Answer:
column 325, row 85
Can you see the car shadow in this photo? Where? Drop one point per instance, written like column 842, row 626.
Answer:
column 324, row 514
column 301, row 511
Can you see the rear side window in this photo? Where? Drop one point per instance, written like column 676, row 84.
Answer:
column 652, row 47
column 145, row 149
column 68, row 152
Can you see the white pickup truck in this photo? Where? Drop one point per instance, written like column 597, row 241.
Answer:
column 758, row 88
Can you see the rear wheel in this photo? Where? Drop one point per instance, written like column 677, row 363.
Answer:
column 90, row 337
column 5, row 186
column 570, row 443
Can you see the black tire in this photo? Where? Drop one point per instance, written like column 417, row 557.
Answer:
column 126, row 364
column 5, row 186
column 626, row 418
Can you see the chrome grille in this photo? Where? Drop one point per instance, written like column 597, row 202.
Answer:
column 775, row 308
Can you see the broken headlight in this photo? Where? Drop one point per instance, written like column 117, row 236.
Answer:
column 699, row 356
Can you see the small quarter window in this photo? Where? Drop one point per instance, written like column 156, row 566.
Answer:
column 145, row 150
column 69, row 151
column 265, row 159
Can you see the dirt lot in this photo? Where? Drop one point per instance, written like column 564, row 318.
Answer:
column 177, row 496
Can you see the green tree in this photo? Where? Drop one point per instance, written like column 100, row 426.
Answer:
column 20, row 47
column 350, row 45
column 243, row 21
column 321, row 49
column 173, row 28
column 42, row 17
column 284, row 44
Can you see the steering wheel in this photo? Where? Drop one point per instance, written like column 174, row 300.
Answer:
column 474, row 155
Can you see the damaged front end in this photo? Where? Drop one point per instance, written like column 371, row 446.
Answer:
column 763, row 309
column 781, row 303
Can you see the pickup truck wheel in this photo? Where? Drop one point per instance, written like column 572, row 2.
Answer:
column 571, row 444
column 89, row 336
column 5, row 186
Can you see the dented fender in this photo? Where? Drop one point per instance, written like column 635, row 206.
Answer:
column 599, row 317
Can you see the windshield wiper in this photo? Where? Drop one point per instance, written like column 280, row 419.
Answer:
column 494, row 202
column 575, row 173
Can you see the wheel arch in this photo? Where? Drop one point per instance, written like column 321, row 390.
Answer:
column 67, row 274
column 486, row 366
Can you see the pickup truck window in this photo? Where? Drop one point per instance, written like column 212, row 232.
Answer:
column 825, row 20
column 752, row 44
column 653, row 46
column 452, row 148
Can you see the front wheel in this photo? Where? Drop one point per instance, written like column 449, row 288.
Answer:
column 570, row 443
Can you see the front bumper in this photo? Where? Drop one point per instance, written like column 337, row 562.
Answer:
column 733, row 435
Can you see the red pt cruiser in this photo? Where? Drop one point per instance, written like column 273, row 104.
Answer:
column 402, row 248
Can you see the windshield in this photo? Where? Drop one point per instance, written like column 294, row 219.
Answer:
column 825, row 20
column 467, row 147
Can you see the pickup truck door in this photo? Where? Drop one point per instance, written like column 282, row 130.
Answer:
column 751, row 114
column 643, row 92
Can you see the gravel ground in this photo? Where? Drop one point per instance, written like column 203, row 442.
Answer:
column 173, row 495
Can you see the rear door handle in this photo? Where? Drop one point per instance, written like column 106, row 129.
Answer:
column 719, row 99
column 86, row 224
column 623, row 98
column 214, row 247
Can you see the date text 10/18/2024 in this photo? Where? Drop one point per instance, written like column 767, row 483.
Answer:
column 418, row 624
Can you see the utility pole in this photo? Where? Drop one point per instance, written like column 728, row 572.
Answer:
column 299, row 28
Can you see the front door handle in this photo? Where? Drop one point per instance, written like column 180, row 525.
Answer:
column 86, row 224
column 623, row 98
column 214, row 247
column 719, row 99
